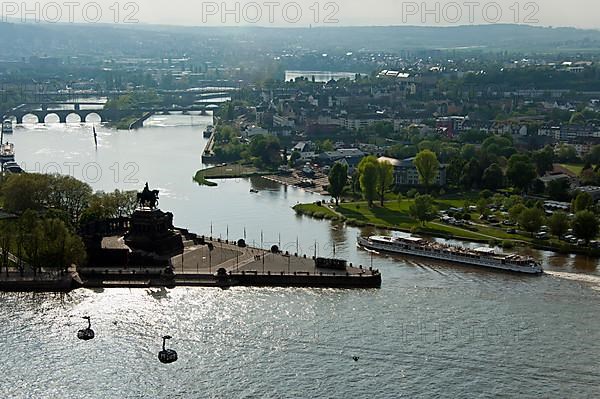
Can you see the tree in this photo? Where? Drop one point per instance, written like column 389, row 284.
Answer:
column 267, row 149
column 230, row 112
column 559, row 224
column 482, row 207
column 531, row 219
column 109, row 206
column 544, row 160
column 423, row 208
column 558, row 189
column 585, row 226
column 6, row 232
column 582, row 202
column 385, row 178
column 324, row 146
column 338, row 177
column 454, row 171
column 294, row 157
column 428, row 167
column 368, row 178
column 126, row 202
column 594, row 155
column 69, row 195
column 26, row 191
column 566, row 153
column 468, row 152
column 60, row 248
column 515, row 211
column 32, row 239
column 471, row 174
column 521, row 171
column 493, row 178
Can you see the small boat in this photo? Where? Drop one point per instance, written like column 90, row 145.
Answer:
column 208, row 132
column 12, row 167
column 7, row 126
column 7, row 152
column 254, row 191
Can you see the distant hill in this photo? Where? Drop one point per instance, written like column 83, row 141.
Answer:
column 22, row 40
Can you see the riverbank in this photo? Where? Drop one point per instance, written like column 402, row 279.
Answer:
column 395, row 216
column 208, row 263
column 317, row 185
column 231, row 171
column 222, row 263
column 43, row 282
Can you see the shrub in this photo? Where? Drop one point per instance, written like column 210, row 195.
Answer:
column 487, row 194
column 507, row 244
column 493, row 243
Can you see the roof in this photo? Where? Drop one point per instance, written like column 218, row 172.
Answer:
column 393, row 161
column 6, row 215
column 554, row 177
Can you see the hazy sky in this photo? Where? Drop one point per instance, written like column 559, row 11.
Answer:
column 578, row 13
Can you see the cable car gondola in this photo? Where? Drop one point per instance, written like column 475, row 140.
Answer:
column 87, row 333
column 167, row 356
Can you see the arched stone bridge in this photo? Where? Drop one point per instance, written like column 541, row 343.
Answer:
column 106, row 115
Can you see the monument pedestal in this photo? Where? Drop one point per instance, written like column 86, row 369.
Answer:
column 151, row 230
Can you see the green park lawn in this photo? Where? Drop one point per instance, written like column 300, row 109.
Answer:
column 575, row 168
column 395, row 215
column 317, row 211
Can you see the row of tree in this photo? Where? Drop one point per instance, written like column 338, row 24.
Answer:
column 50, row 209
column 39, row 240
column 375, row 177
column 72, row 200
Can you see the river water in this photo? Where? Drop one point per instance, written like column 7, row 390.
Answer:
column 432, row 330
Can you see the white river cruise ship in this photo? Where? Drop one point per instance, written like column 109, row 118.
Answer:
column 484, row 257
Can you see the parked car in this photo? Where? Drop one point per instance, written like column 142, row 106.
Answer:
column 570, row 239
column 542, row 235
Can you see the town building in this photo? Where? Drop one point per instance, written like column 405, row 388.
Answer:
column 406, row 174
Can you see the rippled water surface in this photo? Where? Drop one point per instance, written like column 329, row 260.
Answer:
column 432, row 330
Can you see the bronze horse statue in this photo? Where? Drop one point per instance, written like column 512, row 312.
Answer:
column 148, row 198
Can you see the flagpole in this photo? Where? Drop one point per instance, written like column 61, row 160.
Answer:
column 261, row 247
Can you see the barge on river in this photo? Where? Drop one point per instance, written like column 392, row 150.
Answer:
column 483, row 257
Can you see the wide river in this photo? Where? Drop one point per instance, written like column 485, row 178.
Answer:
column 431, row 331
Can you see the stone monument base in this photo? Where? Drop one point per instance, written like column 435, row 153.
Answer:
column 151, row 230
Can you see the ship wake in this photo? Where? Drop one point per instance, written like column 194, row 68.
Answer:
column 591, row 280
